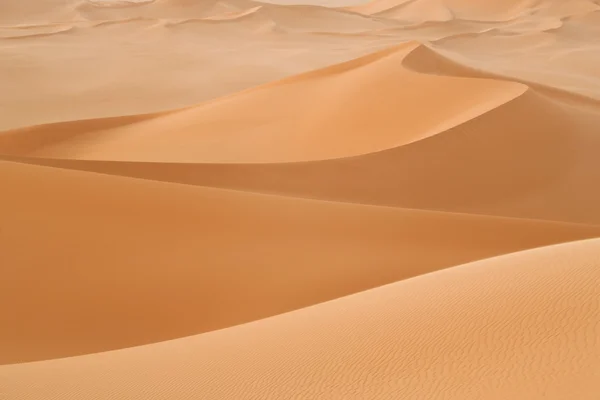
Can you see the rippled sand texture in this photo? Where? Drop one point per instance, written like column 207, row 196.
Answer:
column 209, row 199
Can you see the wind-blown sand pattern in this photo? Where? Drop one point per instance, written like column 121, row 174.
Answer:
column 395, row 199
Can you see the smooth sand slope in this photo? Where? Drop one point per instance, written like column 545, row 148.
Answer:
column 524, row 325
column 121, row 262
column 526, row 157
column 318, row 115
column 233, row 199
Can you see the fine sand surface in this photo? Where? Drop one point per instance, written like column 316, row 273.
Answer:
column 312, row 199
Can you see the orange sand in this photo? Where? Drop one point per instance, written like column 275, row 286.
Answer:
column 232, row 199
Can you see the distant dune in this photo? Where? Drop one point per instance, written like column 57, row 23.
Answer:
column 234, row 199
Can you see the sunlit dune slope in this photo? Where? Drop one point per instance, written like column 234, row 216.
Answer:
column 534, row 156
column 357, row 107
column 98, row 262
column 130, row 59
column 524, row 325
column 164, row 55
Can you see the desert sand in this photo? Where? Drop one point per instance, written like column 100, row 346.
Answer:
column 312, row 199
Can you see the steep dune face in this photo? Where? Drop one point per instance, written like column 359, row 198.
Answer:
column 529, row 329
column 121, row 262
column 525, row 158
column 232, row 199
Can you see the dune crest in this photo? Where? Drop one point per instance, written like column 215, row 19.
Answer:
column 282, row 121
column 523, row 159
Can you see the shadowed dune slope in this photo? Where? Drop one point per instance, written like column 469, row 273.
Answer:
column 532, row 157
column 361, row 106
column 526, row 157
column 110, row 262
column 524, row 325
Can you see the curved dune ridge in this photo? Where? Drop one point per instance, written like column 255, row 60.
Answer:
column 369, row 93
column 235, row 199
column 522, row 325
column 187, row 273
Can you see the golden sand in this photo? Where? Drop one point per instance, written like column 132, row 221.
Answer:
column 231, row 199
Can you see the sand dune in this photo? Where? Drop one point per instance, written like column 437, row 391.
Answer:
column 495, row 10
column 282, row 121
column 137, row 68
column 235, row 199
column 529, row 328
column 186, row 249
column 524, row 158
